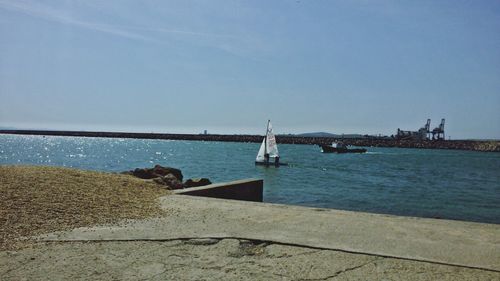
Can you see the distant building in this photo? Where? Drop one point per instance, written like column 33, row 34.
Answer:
column 421, row 134
column 205, row 132
column 412, row 135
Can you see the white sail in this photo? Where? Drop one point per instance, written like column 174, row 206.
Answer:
column 272, row 147
column 268, row 146
column 262, row 151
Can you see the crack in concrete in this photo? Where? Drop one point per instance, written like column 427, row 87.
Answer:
column 178, row 256
column 282, row 275
column 269, row 242
column 341, row 271
column 353, row 268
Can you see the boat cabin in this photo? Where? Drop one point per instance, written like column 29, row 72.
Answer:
column 339, row 145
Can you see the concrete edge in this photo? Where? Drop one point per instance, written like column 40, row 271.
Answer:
column 244, row 190
column 250, row 203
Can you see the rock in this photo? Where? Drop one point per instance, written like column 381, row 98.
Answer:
column 163, row 171
column 157, row 171
column 170, row 181
column 197, row 182
column 167, row 176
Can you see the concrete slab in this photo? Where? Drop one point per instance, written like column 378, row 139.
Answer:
column 441, row 241
column 214, row 259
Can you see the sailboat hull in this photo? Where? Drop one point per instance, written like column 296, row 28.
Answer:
column 269, row 164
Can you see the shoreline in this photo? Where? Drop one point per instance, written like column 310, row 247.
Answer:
column 471, row 145
column 212, row 239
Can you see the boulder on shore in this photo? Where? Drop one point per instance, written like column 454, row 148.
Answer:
column 197, row 182
column 169, row 180
column 170, row 177
column 155, row 172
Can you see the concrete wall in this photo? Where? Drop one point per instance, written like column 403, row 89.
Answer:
column 245, row 190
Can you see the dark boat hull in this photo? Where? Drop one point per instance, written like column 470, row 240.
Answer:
column 331, row 149
column 270, row 164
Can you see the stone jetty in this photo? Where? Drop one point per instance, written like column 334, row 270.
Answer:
column 474, row 145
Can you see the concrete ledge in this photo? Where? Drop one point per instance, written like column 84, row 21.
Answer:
column 245, row 190
column 459, row 243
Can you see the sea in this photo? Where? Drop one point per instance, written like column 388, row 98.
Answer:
column 442, row 184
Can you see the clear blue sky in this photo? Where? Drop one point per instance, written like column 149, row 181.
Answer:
column 228, row 66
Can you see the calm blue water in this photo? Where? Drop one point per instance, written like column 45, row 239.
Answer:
column 460, row 185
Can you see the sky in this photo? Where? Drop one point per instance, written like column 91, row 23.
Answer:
column 357, row 66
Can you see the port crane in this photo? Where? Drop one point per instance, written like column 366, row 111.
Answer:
column 439, row 131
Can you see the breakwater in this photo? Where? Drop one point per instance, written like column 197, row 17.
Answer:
column 474, row 145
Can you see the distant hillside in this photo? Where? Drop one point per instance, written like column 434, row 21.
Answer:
column 317, row 134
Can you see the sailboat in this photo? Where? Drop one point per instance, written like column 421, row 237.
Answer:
column 269, row 149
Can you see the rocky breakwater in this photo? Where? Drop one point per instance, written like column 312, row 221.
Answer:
column 169, row 177
column 493, row 146
column 368, row 141
column 485, row 146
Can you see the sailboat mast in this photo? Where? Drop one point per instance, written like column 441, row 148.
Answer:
column 265, row 138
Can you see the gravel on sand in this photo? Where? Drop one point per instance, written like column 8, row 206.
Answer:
column 40, row 199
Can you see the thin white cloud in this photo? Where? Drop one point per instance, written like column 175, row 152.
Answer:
column 234, row 45
column 50, row 14
column 59, row 16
